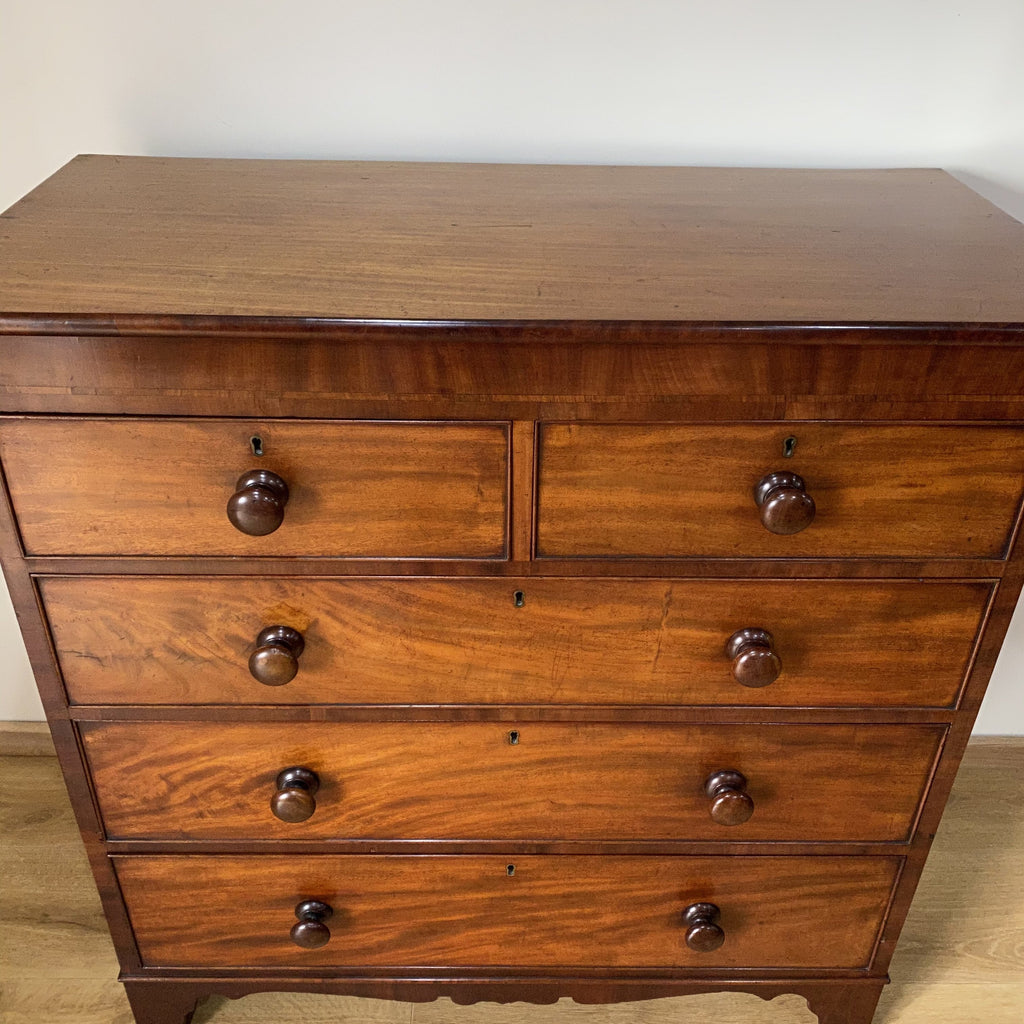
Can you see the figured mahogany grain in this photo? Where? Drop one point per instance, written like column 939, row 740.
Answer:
column 610, row 372
column 188, row 640
column 469, row 780
column 399, row 490
column 793, row 912
column 658, row 491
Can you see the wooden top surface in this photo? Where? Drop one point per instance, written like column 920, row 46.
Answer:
column 134, row 236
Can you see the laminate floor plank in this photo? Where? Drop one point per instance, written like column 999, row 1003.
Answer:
column 960, row 959
column 956, row 1003
column 966, row 924
column 64, row 1000
column 288, row 1007
column 710, row 1007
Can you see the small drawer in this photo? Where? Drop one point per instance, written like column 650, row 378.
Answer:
column 93, row 486
column 829, row 643
column 519, row 912
column 498, row 781
column 859, row 491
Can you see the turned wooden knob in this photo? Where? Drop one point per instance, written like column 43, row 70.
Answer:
column 754, row 661
column 730, row 802
column 311, row 932
column 257, row 506
column 294, row 800
column 785, row 505
column 703, row 934
column 276, row 658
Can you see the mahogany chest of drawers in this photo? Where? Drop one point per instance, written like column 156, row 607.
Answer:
column 509, row 582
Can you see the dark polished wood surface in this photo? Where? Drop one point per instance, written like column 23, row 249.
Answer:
column 137, row 640
column 531, row 781
column 136, row 236
column 954, row 961
column 160, row 487
column 658, row 491
column 594, row 372
column 609, row 912
column 587, row 373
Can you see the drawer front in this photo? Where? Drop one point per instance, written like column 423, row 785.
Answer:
column 161, row 487
column 430, row 911
column 529, row 780
column 677, row 491
column 123, row 640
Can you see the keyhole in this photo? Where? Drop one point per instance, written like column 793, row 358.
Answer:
column 256, row 443
column 510, row 869
column 788, row 447
column 513, row 737
column 519, row 599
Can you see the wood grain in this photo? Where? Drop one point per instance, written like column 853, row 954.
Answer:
column 444, row 242
column 643, row 298
column 427, row 780
column 553, row 911
column 662, row 491
column 134, row 640
column 598, row 372
column 100, row 486
column 62, row 969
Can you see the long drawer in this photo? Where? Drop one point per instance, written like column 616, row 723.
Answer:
column 658, row 491
column 531, row 780
column 94, row 486
column 174, row 640
column 531, row 911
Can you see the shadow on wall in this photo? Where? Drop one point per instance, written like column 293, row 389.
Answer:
column 1007, row 198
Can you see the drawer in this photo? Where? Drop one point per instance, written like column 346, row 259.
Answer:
column 509, row 911
column 95, row 486
column 676, row 491
column 493, row 780
column 167, row 640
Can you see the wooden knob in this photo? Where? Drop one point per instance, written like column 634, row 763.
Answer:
column 785, row 505
column 730, row 802
column 754, row 661
column 276, row 658
column 703, row 934
column 294, row 800
column 257, row 506
column 311, row 932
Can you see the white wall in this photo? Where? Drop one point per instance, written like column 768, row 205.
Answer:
column 748, row 82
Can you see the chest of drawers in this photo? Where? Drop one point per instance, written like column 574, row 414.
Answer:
column 509, row 583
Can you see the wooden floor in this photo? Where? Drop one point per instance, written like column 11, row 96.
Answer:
column 960, row 961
